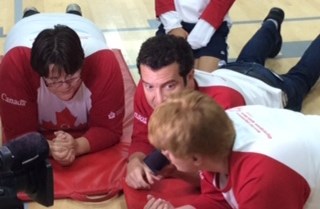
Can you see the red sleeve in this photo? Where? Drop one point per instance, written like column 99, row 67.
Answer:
column 163, row 6
column 210, row 197
column 263, row 182
column 102, row 75
column 142, row 112
column 226, row 97
column 18, row 90
column 257, row 181
column 216, row 11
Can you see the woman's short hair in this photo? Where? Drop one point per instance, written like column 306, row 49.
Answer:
column 191, row 122
column 60, row 46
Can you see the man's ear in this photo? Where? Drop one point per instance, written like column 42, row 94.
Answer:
column 190, row 79
column 190, row 75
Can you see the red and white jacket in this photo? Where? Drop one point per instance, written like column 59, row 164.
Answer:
column 207, row 15
column 97, row 109
column 212, row 11
column 275, row 163
column 228, row 88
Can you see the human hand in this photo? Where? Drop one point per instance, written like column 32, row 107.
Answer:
column 179, row 32
column 157, row 203
column 63, row 148
column 139, row 176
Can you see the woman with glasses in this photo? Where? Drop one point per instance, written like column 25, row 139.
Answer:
column 57, row 77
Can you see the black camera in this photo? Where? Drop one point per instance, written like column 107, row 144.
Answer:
column 24, row 167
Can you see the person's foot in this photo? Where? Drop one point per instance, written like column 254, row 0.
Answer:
column 29, row 11
column 74, row 9
column 276, row 14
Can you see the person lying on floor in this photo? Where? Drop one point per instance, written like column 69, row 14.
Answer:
column 59, row 78
column 245, row 161
column 166, row 66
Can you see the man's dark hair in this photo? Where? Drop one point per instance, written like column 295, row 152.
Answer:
column 60, row 46
column 160, row 51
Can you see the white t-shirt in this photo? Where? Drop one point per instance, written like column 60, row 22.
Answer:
column 92, row 39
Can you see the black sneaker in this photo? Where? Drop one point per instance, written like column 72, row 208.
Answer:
column 276, row 14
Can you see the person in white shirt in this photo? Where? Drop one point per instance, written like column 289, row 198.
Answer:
column 205, row 24
column 248, row 157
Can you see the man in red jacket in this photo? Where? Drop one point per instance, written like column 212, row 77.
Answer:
column 166, row 67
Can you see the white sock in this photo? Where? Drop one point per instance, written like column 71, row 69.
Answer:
column 274, row 21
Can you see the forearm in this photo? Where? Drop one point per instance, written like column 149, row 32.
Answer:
column 216, row 11
column 101, row 138
column 163, row 6
column 82, row 146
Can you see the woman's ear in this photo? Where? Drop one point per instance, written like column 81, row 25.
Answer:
column 197, row 160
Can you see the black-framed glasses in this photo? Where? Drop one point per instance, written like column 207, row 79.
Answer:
column 71, row 79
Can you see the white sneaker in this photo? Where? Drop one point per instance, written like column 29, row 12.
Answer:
column 29, row 9
column 74, row 8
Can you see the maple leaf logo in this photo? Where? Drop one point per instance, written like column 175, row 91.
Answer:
column 65, row 120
